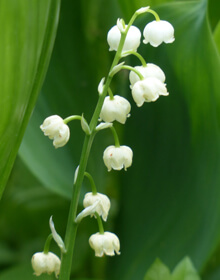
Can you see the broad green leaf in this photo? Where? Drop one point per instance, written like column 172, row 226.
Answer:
column 170, row 199
column 158, row 271
column 27, row 31
column 217, row 36
column 213, row 9
column 185, row 271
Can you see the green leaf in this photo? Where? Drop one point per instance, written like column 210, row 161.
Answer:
column 27, row 31
column 185, row 271
column 217, row 36
column 213, row 10
column 170, row 196
column 158, row 271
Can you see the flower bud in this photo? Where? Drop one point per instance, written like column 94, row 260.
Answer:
column 157, row 32
column 102, row 208
column 148, row 90
column 116, row 109
column 117, row 157
column 107, row 243
column 55, row 128
column 45, row 263
column 151, row 70
column 132, row 41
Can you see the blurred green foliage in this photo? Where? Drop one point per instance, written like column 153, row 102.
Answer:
column 167, row 205
column 27, row 35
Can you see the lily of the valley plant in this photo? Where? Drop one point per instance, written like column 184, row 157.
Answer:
column 147, row 83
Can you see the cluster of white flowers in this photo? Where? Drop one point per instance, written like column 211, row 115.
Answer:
column 152, row 86
column 147, row 83
column 148, row 89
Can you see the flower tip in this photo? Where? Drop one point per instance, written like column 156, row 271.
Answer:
column 121, row 25
column 142, row 10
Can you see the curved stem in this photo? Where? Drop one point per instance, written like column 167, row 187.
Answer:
column 114, row 132
column 111, row 95
column 72, row 118
column 71, row 229
column 139, row 56
column 100, row 224
column 134, row 70
column 92, row 182
column 154, row 13
column 47, row 243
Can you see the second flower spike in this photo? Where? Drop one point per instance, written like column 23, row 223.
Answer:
column 117, row 109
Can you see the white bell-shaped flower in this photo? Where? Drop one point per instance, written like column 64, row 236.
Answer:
column 55, row 128
column 107, row 243
column 132, row 41
column 148, row 90
column 115, row 109
column 151, row 70
column 157, row 32
column 102, row 208
column 45, row 263
column 117, row 157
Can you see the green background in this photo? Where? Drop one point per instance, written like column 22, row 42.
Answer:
column 167, row 204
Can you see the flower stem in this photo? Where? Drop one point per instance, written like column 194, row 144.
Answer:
column 71, row 230
column 111, row 95
column 72, row 118
column 47, row 243
column 117, row 143
column 154, row 13
column 134, row 70
column 92, row 183
column 99, row 220
column 139, row 56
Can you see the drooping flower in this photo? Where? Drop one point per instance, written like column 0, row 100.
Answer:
column 132, row 41
column 107, row 243
column 102, row 208
column 115, row 109
column 156, row 32
column 148, row 90
column 45, row 263
column 117, row 157
column 55, row 128
column 151, row 70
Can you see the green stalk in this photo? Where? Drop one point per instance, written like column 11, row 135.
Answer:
column 92, row 183
column 66, row 260
column 117, row 143
column 139, row 56
column 134, row 70
column 47, row 244
column 100, row 224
